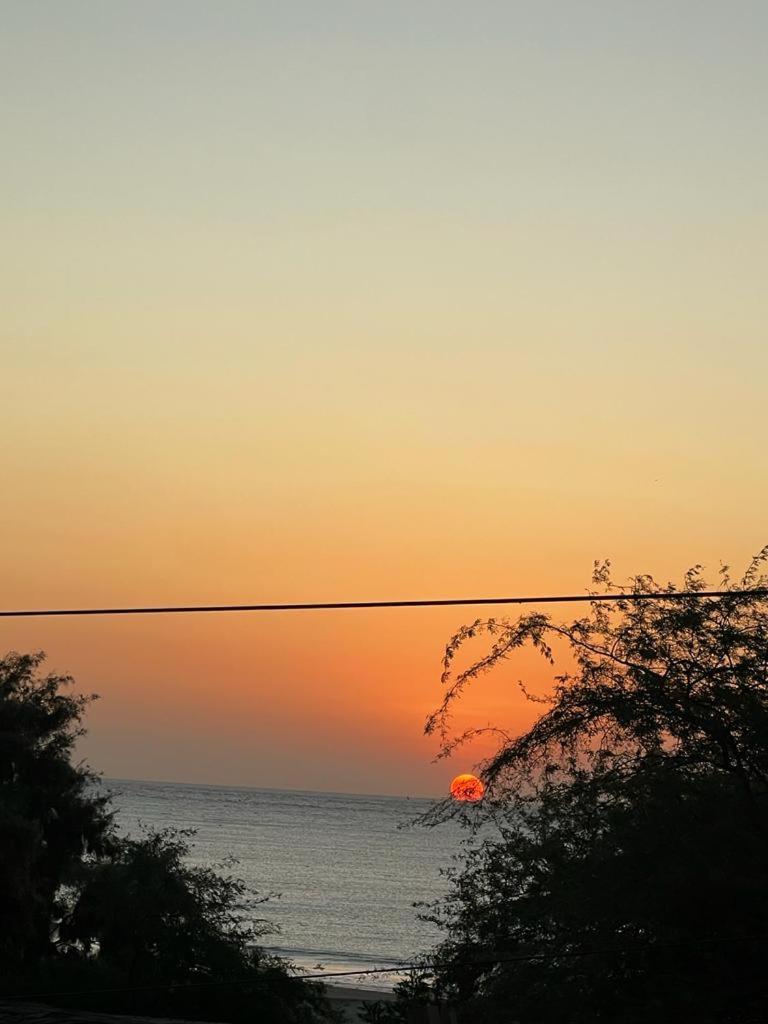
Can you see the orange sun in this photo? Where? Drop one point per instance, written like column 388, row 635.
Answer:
column 467, row 787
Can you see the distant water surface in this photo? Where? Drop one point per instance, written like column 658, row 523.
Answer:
column 347, row 875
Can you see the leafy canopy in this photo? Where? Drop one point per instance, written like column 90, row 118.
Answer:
column 50, row 815
column 623, row 871
column 125, row 922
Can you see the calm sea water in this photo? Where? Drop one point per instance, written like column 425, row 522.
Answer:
column 347, row 875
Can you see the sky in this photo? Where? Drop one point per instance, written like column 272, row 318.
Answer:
column 355, row 300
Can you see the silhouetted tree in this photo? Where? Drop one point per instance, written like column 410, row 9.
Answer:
column 50, row 814
column 143, row 916
column 149, row 913
column 623, row 872
column 126, row 923
column 413, row 995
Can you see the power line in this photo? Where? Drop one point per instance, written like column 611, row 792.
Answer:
column 315, row 606
column 405, row 968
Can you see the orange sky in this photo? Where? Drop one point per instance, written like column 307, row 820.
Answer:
column 388, row 302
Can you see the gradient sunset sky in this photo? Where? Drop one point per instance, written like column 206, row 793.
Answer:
column 353, row 300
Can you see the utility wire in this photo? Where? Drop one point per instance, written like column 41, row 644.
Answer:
column 355, row 605
column 402, row 968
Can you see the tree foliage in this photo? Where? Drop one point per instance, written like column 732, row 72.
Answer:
column 49, row 814
column 124, row 922
column 623, row 870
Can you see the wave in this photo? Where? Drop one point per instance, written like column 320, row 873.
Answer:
column 337, row 956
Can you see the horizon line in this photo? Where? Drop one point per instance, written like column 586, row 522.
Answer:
column 270, row 789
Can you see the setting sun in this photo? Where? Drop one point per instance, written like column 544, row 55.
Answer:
column 467, row 788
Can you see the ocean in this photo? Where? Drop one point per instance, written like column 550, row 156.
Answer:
column 346, row 872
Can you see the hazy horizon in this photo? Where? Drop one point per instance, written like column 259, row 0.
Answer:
column 271, row 789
